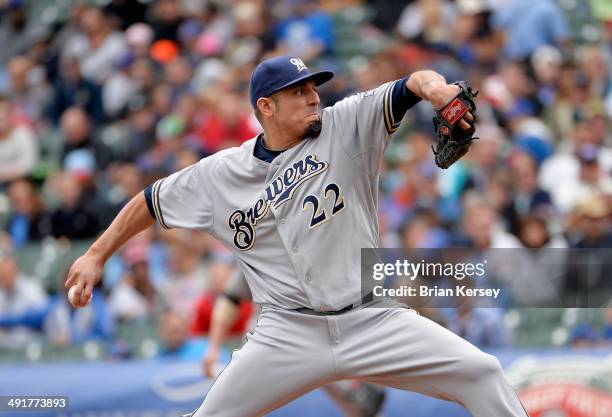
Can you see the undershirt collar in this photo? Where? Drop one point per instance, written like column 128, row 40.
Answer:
column 263, row 153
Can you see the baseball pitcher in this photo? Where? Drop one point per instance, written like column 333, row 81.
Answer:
column 296, row 204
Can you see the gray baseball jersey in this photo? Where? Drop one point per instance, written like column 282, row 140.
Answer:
column 297, row 222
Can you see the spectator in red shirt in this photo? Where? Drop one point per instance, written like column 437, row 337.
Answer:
column 220, row 273
column 227, row 124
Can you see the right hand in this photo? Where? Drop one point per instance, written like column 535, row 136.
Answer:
column 210, row 361
column 84, row 273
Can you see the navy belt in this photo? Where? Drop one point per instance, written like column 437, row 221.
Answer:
column 366, row 299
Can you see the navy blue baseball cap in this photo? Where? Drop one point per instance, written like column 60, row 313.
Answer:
column 280, row 72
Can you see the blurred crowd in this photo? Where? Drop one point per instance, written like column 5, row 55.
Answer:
column 100, row 101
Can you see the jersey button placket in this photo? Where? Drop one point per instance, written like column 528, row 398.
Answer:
column 307, row 278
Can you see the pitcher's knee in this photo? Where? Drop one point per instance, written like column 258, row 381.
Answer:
column 481, row 366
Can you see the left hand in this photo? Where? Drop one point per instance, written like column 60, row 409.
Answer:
column 444, row 94
column 454, row 124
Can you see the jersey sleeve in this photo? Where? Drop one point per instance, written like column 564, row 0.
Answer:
column 183, row 199
column 372, row 116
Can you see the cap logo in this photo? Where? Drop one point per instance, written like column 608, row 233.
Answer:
column 299, row 64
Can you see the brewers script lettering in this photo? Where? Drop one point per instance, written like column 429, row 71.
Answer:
column 277, row 192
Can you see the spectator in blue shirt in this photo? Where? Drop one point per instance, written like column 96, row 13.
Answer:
column 71, row 89
column 29, row 220
column 530, row 24
column 176, row 344
column 19, row 296
column 308, row 33
column 64, row 325
column 483, row 327
column 583, row 336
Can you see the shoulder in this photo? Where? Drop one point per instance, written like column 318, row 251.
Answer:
column 235, row 153
column 367, row 98
column 234, row 157
column 363, row 95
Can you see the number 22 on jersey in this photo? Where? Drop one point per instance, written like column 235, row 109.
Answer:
column 319, row 214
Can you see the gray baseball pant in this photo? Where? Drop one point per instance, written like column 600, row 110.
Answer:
column 290, row 353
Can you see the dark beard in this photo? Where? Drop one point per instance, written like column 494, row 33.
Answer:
column 313, row 130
